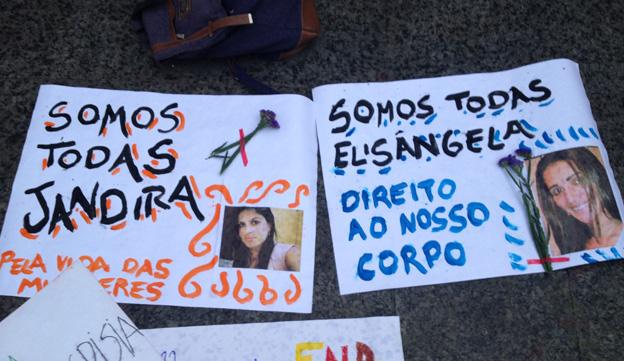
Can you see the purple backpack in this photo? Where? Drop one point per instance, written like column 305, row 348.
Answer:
column 186, row 29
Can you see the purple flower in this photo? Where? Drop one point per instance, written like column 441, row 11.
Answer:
column 267, row 117
column 523, row 151
column 510, row 161
column 267, row 120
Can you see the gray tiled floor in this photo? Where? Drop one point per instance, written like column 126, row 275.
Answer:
column 570, row 315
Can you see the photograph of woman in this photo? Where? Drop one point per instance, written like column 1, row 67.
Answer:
column 250, row 239
column 576, row 201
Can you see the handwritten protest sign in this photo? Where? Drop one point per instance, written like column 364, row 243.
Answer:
column 73, row 318
column 125, row 182
column 363, row 339
column 414, row 188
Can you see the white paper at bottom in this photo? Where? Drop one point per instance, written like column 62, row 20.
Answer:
column 72, row 319
column 362, row 339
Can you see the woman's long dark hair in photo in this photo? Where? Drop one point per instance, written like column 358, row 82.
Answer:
column 242, row 256
column 570, row 234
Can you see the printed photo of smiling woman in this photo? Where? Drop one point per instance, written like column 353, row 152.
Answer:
column 250, row 238
column 576, row 201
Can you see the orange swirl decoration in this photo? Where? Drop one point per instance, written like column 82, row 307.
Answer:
column 301, row 189
column 255, row 184
column 221, row 189
column 225, row 286
column 290, row 296
column 192, row 247
column 197, row 290
column 281, row 183
column 238, row 287
column 266, row 290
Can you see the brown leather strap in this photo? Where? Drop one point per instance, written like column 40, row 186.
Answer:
column 310, row 28
column 209, row 30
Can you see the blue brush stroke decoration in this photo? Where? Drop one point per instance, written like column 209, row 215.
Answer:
column 385, row 123
column 361, row 171
column 528, row 125
column 605, row 256
column 456, row 131
column 518, row 266
column 547, row 138
column 615, row 252
column 588, row 258
column 438, row 135
column 428, row 159
column 423, row 138
column 403, row 158
column 573, row 134
column 540, row 144
column 412, row 122
column 509, row 225
column 350, row 132
column 497, row 113
column 545, row 104
column 560, row 135
column 497, row 135
column 513, row 240
column 431, row 118
column 480, row 115
column 385, row 170
column 515, row 257
column 594, row 133
column 339, row 171
column 583, row 133
column 399, row 122
column 506, row 207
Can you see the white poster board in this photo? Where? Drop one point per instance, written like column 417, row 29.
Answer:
column 416, row 195
column 72, row 319
column 123, row 182
column 362, row 339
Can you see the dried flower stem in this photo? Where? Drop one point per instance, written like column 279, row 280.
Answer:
column 514, row 169
column 267, row 120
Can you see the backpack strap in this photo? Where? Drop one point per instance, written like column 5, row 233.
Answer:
column 208, row 30
column 249, row 82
